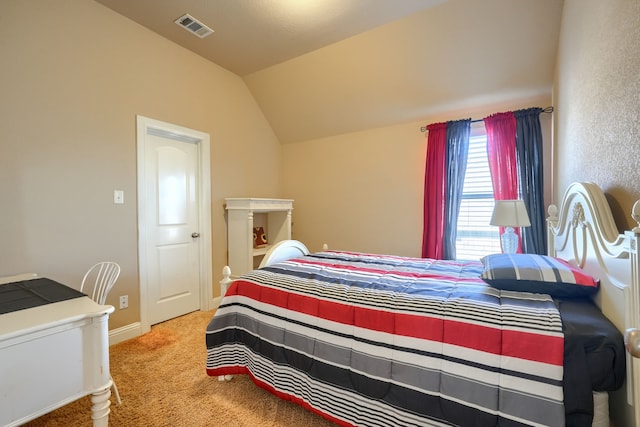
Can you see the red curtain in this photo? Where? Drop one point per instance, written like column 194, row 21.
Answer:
column 435, row 182
column 501, row 151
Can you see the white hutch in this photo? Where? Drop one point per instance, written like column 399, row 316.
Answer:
column 243, row 214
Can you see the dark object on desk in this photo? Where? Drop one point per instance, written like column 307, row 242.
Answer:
column 32, row 293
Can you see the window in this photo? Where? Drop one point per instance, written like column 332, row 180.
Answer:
column 476, row 238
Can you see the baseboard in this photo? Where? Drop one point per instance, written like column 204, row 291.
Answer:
column 134, row 330
column 124, row 333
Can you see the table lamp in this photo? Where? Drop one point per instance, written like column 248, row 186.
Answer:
column 509, row 214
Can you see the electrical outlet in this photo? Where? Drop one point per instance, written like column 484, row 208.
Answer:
column 124, row 301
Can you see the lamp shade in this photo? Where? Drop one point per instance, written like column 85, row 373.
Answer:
column 510, row 213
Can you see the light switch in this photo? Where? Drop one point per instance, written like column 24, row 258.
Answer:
column 118, row 197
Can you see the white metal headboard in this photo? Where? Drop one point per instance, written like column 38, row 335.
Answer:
column 583, row 232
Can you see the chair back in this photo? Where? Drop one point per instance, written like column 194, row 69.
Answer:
column 99, row 280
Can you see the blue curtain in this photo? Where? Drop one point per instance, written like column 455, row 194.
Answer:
column 456, row 165
column 530, row 175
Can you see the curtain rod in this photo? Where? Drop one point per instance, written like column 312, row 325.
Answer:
column 544, row 110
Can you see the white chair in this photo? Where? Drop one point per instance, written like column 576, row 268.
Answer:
column 97, row 283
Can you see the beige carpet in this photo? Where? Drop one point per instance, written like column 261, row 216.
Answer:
column 162, row 381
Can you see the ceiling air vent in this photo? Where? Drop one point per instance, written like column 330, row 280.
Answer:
column 194, row 26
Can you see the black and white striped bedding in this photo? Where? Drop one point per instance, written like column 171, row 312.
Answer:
column 382, row 341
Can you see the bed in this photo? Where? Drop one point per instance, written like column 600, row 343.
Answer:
column 380, row 340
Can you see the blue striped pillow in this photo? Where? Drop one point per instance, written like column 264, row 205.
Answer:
column 537, row 273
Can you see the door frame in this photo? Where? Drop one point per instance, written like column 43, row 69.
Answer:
column 145, row 126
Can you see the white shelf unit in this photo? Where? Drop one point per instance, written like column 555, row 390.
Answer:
column 243, row 214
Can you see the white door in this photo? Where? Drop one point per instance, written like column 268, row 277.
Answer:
column 171, row 263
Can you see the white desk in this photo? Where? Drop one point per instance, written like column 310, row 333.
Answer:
column 51, row 355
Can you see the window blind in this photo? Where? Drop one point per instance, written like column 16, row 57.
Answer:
column 475, row 237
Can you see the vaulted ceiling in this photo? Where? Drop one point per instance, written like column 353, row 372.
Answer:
column 318, row 68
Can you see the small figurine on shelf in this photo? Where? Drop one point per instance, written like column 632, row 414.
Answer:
column 259, row 237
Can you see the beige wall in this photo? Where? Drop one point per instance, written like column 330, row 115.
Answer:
column 76, row 80
column 74, row 75
column 597, row 98
column 363, row 191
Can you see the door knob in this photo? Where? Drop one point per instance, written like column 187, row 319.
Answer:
column 194, row 235
column 632, row 341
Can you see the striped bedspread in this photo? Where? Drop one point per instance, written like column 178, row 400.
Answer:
column 373, row 340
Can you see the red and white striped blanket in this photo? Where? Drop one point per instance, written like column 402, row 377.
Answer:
column 376, row 340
